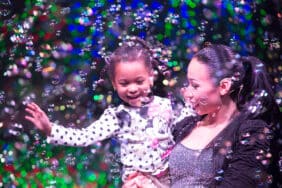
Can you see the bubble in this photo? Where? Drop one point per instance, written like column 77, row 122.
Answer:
column 83, row 76
column 65, row 10
column 93, row 65
column 5, row 8
column 58, row 33
column 245, row 141
column 70, row 160
column 54, row 163
column 2, row 97
column 218, row 178
column 14, row 132
column 172, row 18
column 109, row 158
column 50, row 107
column 55, row 79
column 229, row 154
column 18, row 38
column 246, row 135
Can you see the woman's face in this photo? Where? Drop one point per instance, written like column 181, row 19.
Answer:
column 201, row 92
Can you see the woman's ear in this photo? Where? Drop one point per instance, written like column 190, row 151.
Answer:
column 224, row 86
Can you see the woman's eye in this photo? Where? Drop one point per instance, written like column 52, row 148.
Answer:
column 195, row 86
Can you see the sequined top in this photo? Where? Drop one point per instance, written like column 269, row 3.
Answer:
column 190, row 168
column 240, row 157
column 144, row 134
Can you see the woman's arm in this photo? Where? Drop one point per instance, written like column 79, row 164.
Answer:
column 249, row 161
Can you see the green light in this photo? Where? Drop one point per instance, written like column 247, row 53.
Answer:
column 190, row 3
column 172, row 63
column 262, row 12
column 160, row 37
column 110, row 24
column 175, row 3
column 41, row 33
column 104, row 13
column 168, row 28
column 92, row 29
column 98, row 97
column 249, row 16
column 191, row 13
column 53, row 8
column 80, row 166
column 23, row 173
column 260, row 43
column 230, row 9
column 102, row 180
column 193, row 22
column 92, row 177
column 184, row 23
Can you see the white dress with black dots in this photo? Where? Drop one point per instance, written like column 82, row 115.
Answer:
column 144, row 134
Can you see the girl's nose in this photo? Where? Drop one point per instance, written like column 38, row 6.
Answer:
column 132, row 89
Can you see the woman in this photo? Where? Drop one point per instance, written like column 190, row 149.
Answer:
column 228, row 143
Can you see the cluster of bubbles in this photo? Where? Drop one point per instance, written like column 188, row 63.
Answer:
column 53, row 53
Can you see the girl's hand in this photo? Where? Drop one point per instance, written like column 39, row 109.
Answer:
column 38, row 118
column 138, row 180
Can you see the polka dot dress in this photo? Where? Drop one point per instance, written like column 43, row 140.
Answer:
column 144, row 134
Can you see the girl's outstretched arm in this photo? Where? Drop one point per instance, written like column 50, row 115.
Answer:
column 38, row 117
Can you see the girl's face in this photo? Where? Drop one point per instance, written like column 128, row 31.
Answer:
column 132, row 81
column 201, row 92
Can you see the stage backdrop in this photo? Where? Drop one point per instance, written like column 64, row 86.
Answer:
column 52, row 52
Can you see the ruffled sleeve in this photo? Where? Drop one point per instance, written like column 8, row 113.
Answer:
column 247, row 163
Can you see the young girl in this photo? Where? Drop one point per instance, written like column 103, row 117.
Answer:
column 141, row 123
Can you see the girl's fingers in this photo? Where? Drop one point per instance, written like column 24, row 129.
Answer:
column 32, row 120
column 30, row 112
column 36, row 107
column 31, row 106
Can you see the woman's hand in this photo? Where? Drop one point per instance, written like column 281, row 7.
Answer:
column 38, row 118
column 139, row 180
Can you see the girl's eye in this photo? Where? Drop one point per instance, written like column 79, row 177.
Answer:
column 123, row 84
column 139, row 82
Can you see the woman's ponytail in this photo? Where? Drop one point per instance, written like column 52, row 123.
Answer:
column 257, row 92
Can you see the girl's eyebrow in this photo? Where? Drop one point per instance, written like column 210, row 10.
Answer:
column 192, row 79
column 140, row 77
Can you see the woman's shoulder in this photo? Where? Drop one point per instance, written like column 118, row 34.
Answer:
column 253, row 124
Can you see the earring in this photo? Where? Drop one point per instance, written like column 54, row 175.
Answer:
column 239, row 93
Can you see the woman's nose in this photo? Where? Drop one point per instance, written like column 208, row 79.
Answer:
column 186, row 93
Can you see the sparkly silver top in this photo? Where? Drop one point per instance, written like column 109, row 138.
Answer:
column 190, row 168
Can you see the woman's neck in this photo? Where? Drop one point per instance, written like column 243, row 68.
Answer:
column 223, row 115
